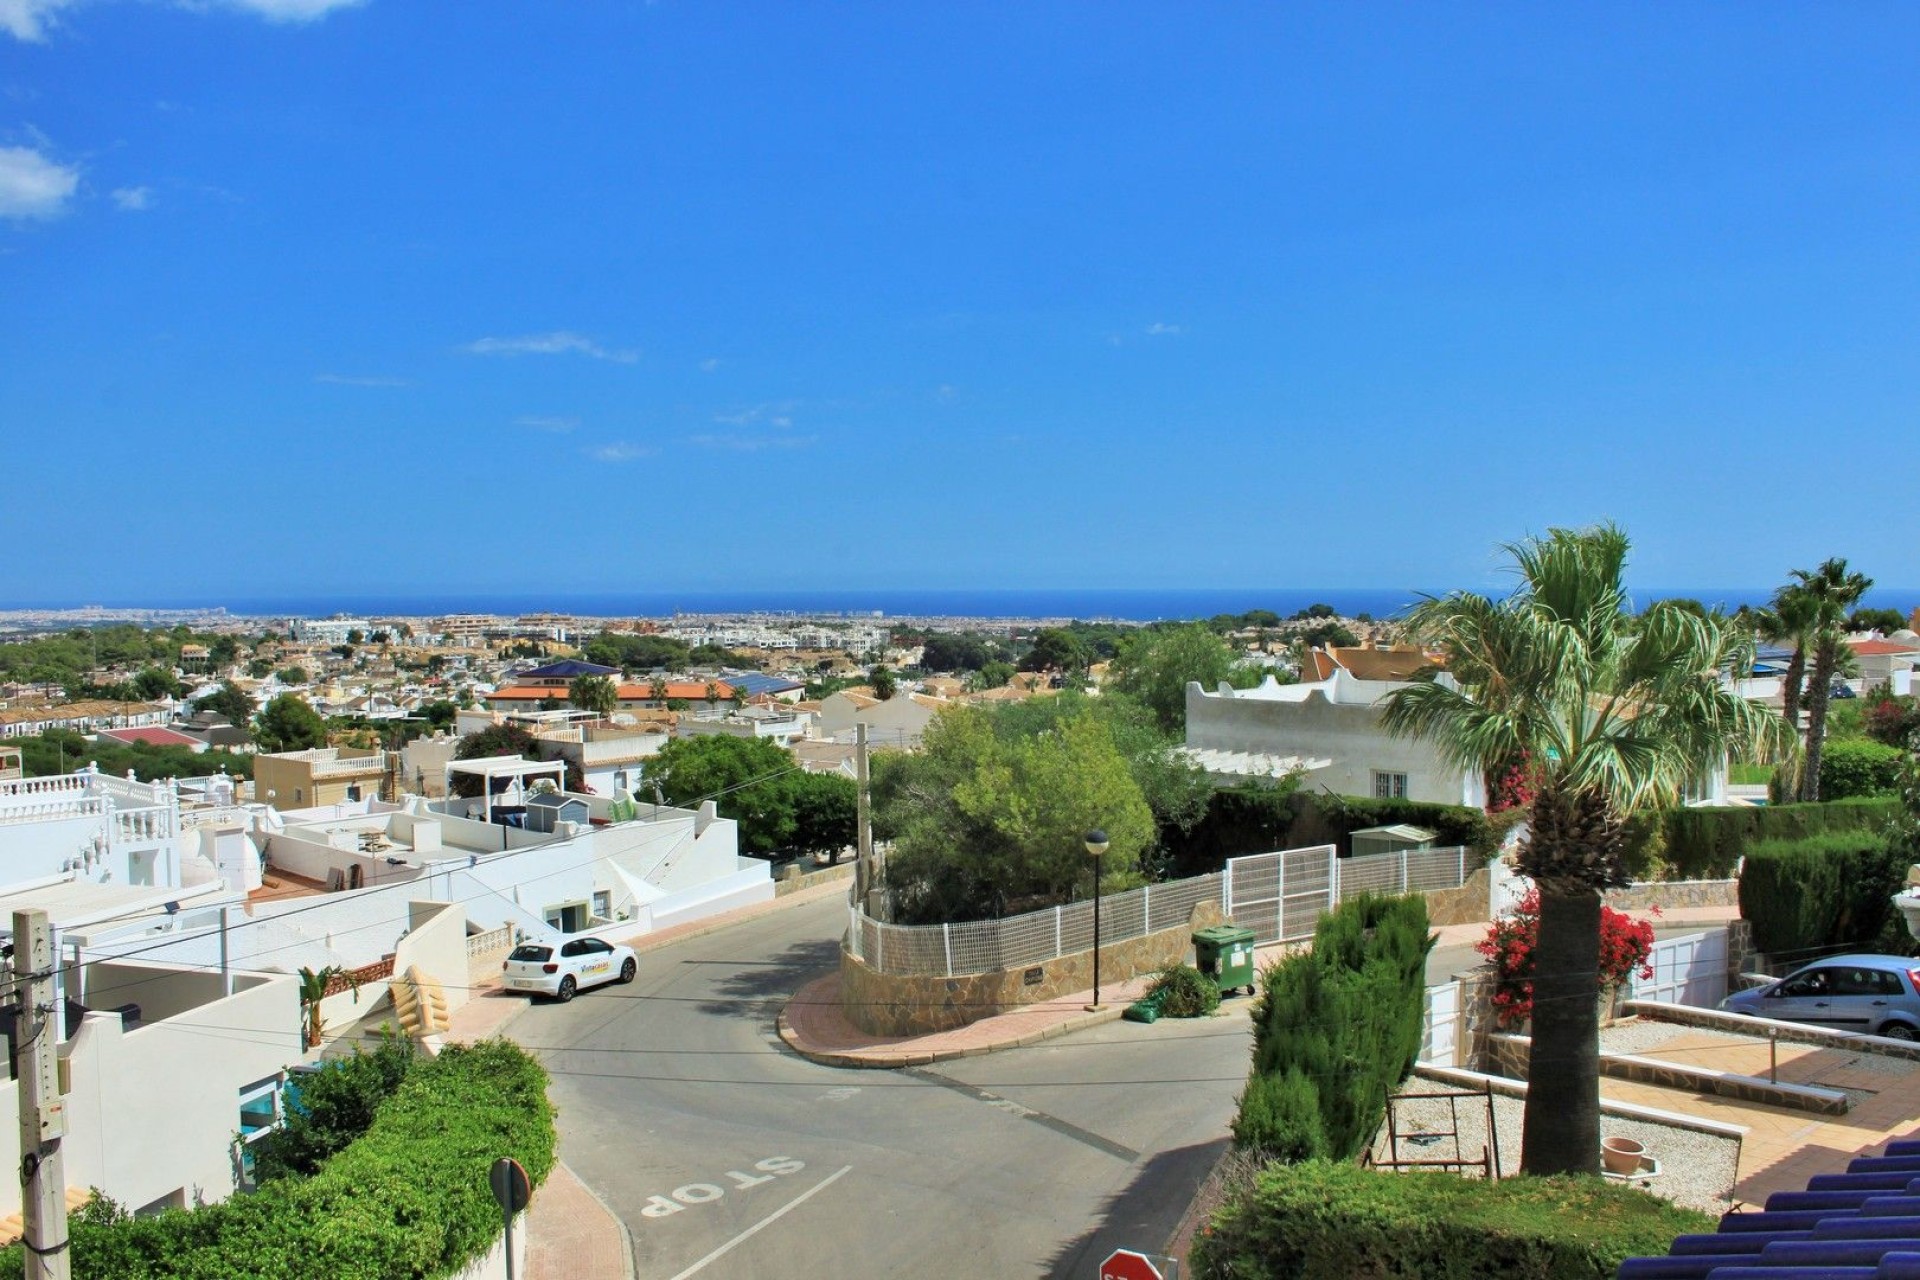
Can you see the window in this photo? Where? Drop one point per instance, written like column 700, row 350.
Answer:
column 603, row 903
column 1815, row 982
column 259, row 1107
column 1389, row 786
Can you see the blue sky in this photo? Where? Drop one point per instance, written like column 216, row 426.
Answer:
column 300, row 297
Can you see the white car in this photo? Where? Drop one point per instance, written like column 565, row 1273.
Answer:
column 546, row 969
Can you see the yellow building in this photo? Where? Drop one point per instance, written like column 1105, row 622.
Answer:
column 321, row 776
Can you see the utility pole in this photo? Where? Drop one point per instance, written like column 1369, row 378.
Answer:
column 43, row 1113
column 863, row 820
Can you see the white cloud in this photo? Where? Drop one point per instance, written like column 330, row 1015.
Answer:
column 559, row 342
column 133, row 199
column 32, row 186
column 292, row 10
column 352, row 380
column 709, row 364
column 749, row 444
column 541, row 422
column 29, row 19
column 1160, row 330
column 621, row 451
column 779, row 414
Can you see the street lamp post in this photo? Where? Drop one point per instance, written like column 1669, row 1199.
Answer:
column 1096, row 842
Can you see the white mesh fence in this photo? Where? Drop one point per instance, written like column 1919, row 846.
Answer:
column 1278, row 895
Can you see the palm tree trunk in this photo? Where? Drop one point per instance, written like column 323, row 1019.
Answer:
column 1791, row 684
column 1826, row 659
column 1562, row 1128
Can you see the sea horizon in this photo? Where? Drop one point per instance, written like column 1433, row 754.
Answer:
column 1126, row 604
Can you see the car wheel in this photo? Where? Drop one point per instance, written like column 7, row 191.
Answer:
column 567, row 987
column 1899, row 1031
column 627, row 970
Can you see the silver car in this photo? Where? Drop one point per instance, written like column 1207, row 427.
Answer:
column 1877, row 995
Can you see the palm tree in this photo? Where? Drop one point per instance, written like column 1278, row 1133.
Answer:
column 1613, row 714
column 1789, row 621
column 1831, row 593
column 594, row 693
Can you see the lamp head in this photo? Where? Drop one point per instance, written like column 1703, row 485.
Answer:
column 1096, row 841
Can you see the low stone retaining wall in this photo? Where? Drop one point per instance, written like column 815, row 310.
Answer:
column 1509, row 1055
column 1792, row 1032
column 795, row 879
column 1466, row 905
column 1668, row 894
column 887, row 1005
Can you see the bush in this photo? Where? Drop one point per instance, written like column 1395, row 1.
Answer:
column 1852, row 767
column 1260, row 819
column 1706, row 844
column 409, row 1198
column 1512, row 944
column 1327, row 1221
column 327, row 1109
column 1824, row 894
column 1342, row 1024
column 1185, row 992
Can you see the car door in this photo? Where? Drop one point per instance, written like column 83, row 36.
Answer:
column 1851, row 995
column 596, row 962
column 1801, row 998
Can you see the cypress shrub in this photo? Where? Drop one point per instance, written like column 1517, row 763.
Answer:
column 1824, row 894
column 1338, row 1026
column 1705, row 844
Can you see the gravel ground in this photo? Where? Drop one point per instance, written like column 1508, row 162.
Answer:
column 1697, row 1170
column 1638, row 1036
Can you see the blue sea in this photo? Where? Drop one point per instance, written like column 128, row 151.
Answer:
column 1125, row 604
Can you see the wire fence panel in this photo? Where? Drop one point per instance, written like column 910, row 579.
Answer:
column 1280, row 896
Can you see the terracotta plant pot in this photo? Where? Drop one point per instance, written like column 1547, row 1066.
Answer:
column 1621, row 1155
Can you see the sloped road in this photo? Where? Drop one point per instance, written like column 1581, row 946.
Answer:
column 727, row 1156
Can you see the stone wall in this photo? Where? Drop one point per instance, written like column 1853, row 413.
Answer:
column 794, row 878
column 1666, row 894
column 1466, row 905
column 886, row 1005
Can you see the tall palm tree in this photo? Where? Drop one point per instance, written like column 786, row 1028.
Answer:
column 1789, row 620
column 1613, row 714
column 1831, row 593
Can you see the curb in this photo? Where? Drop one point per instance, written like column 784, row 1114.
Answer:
column 626, row 1236
column 894, row 1057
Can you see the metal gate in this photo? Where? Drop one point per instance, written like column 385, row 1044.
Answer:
column 1280, row 895
column 1440, row 1032
column 1691, row 969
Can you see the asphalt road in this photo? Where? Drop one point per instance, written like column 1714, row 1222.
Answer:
column 730, row 1157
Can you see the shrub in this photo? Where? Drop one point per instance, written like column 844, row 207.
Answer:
column 1279, row 1118
column 1892, row 719
column 1185, row 992
column 1824, row 894
column 1260, row 819
column 1328, row 1221
column 1343, row 1020
column 1625, row 944
column 327, row 1109
column 408, row 1198
column 1852, row 767
column 1706, row 844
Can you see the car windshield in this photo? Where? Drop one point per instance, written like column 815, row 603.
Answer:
column 528, row 951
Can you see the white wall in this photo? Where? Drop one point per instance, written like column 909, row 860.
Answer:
column 1348, row 734
column 153, row 1110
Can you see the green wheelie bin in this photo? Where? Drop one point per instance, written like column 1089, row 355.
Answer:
column 1224, row 952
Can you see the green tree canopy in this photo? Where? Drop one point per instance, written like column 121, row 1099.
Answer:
column 155, row 683
column 1055, row 649
column 288, row 723
column 633, row 653
column 751, row 780
column 825, row 812
column 230, row 702
column 985, row 824
column 884, row 685
column 1155, row 667
column 1610, row 715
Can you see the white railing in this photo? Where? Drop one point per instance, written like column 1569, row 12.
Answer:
column 55, row 808
column 34, row 788
column 138, row 826
column 1280, row 896
column 486, row 944
column 376, row 763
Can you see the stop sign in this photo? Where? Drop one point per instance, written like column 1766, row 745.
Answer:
column 1125, row 1264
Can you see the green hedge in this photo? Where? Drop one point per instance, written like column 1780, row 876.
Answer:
column 1705, row 844
column 1332, row 1221
column 1824, row 894
column 1254, row 819
column 408, row 1199
column 1335, row 1030
column 1852, row 767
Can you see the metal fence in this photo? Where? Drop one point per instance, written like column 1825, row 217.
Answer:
column 1278, row 895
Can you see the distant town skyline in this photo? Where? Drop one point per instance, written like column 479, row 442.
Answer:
column 311, row 299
